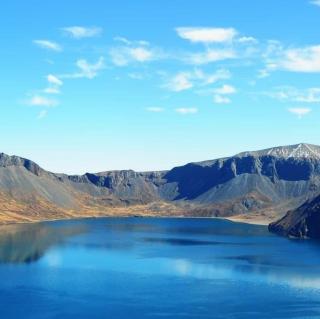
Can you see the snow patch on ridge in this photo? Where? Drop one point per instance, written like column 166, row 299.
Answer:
column 301, row 150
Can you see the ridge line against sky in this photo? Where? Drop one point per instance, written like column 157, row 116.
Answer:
column 98, row 88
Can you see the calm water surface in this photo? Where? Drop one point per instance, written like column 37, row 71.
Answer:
column 156, row 268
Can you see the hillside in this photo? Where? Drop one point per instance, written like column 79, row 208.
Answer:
column 303, row 222
column 251, row 185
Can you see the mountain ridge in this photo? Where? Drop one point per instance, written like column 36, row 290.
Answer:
column 308, row 150
column 247, row 183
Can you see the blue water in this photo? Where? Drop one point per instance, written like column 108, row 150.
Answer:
column 156, row 268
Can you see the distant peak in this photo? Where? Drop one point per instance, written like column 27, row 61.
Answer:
column 302, row 150
column 7, row 161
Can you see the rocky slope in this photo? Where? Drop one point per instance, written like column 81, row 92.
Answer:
column 262, row 183
column 303, row 222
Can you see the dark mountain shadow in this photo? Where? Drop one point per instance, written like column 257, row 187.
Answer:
column 28, row 243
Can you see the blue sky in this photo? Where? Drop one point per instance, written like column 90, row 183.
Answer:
column 100, row 85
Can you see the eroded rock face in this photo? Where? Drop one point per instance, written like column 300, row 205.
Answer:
column 280, row 177
column 7, row 161
column 303, row 222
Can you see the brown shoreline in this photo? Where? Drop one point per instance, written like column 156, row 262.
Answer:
column 235, row 219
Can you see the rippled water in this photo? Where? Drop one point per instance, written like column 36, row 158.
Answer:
column 155, row 268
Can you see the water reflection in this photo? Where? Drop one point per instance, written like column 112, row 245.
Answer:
column 255, row 274
column 154, row 267
column 202, row 249
column 191, row 226
column 189, row 242
column 27, row 243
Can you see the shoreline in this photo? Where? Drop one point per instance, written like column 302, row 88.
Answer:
column 235, row 219
column 249, row 221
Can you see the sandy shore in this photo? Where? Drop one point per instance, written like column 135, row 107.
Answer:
column 248, row 220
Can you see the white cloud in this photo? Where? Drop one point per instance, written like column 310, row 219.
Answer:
column 180, row 82
column 225, row 89
column 122, row 56
column 78, row 32
column 300, row 111
column 306, row 59
column 54, row 85
column 221, row 92
column 38, row 100
column 206, row 35
column 247, row 40
column 220, row 99
column 187, row 110
column 49, row 45
column 315, row 2
column 209, row 56
column 87, row 70
column 54, row 80
column 140, row 54
column 187, row 80
column 302, row 60
column 155, row 109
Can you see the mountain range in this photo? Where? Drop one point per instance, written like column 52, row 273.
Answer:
column 258, row 186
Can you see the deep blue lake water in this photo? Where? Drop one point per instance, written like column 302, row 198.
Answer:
column 156, row 268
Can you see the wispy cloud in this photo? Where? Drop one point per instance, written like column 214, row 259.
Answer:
column 54, row 84
column 292, row 94
column 123, row 55
column 247, row 40
column 42, row 114
column 305, row 59
column 302, row 60
column 78, row 32
column 186, row 110
column 263, row 73
column 141, row 54
column 86, row 69
column 221, row 92
column 220, row 99
column 209, row 56
column 38, row 100
column 122, row 40
column 300, row 111
column 52, row 79
column 155, row 109
column 186, row 80
column 180, row 82
column 51, row 90
column 315, row 2
column 129, row 42
column 49, row 45
column 206, row 35
column 210, row 78
column 225, row 89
